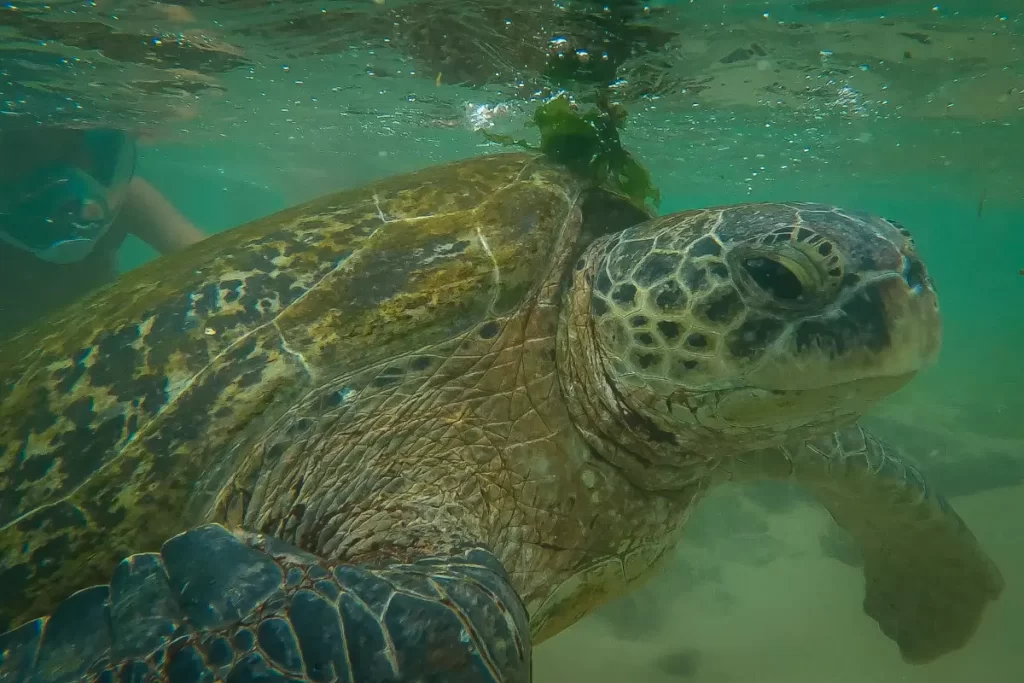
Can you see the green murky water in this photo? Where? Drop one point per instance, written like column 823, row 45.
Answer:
column 912, row 110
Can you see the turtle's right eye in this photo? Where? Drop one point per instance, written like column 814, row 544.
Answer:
column 774, row 278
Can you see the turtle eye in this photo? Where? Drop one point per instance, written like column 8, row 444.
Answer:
column 774, row 278
column 899, row 226
column 902, row 230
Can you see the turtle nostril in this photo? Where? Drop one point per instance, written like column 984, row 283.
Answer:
column 915, row 274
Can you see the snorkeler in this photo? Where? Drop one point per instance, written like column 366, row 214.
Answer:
column 68, row 200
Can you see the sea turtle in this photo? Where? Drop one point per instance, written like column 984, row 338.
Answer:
column 405, row 432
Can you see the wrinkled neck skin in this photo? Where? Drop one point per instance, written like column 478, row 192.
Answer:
column 651, row 458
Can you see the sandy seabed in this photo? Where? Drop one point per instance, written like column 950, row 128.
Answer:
column 785, row 613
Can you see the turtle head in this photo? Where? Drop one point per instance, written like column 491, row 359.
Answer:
column 721, row 331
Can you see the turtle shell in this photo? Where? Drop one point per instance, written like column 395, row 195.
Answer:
column 122, row 416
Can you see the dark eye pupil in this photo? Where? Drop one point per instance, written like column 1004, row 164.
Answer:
column 774, row 278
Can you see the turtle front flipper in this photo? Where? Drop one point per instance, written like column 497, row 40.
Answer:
column 928, row 581
column 212, row 605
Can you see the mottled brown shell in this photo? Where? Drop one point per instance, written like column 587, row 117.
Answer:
column 122, row 416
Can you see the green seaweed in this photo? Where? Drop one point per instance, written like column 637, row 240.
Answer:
column 588, row 144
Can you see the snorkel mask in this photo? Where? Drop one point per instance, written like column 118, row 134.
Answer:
column 59, row 213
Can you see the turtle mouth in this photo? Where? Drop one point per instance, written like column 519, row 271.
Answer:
column 756, row 406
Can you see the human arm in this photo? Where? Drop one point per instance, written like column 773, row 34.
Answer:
column 152, row 218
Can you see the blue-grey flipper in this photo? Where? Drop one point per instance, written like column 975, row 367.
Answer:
column 928, row 581
column 213, row 605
